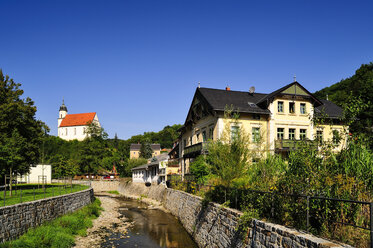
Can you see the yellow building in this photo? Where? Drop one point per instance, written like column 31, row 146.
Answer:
column 135, row 150
column 279, row 119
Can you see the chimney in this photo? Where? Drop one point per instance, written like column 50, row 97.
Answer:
column 228, row 88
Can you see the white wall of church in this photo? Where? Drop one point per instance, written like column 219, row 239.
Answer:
column 71, row 133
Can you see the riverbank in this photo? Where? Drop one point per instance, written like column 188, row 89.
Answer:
column 109, row 221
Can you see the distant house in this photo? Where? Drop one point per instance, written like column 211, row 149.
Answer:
column 135, row 150
column 73, row 126
column 154, row 172
column 41, row 173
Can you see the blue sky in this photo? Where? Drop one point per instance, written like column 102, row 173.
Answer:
column 138, row 63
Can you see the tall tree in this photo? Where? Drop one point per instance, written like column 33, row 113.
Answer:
column 146, row 150
column 20, row 133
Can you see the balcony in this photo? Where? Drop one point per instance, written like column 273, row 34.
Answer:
column 195, row 150
column 290, row 144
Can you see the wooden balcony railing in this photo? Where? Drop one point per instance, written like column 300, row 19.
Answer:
column 195, row 150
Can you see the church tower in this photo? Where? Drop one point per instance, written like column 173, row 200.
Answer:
column 62, row 113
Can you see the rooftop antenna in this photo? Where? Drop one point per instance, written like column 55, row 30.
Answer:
column 252, row 90
column 199, row 84
column 295, row 78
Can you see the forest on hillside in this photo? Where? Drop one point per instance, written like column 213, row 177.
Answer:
column 355, row 96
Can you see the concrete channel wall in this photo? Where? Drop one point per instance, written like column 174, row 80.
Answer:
column 16, row 219
column 216, row 226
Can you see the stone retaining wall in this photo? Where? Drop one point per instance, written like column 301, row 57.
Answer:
column 16, row 219
column 216, row 226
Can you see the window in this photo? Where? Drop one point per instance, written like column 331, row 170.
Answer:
column 319, row 136
column 336, row 137
column 256, row 117
column 280, row 107
column 191, row 140
column 67, row 131
column 291, row 107
column 234, row 132
column 74, row 130
column 256, row 134
column 291, row 133
column 204, row 136
column 211, row 133
column 184, row 143
column 303, row 108
column 303, row 134
column 197, row 137
column 280, row 133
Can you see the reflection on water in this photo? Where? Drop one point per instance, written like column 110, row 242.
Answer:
column 152, row 228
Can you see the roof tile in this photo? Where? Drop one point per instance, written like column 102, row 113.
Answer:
column 78, row 119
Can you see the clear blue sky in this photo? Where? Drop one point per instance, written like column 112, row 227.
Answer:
column 137, row 63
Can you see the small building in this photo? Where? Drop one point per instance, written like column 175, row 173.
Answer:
column 135, row 150
column 154, row 172
column 73, row 126
column 41, row 173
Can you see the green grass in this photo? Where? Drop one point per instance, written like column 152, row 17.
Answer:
column 26, row 192
column 113, row 192
column 60, row 232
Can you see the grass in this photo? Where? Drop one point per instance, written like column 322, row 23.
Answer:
column 113, row 192
column 60, row 232
column 26, row 192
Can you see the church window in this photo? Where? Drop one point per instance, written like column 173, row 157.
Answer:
column 67, row 131
column 74, row 130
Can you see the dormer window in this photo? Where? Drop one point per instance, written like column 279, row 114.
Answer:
column 291, row 107
column 280, row 107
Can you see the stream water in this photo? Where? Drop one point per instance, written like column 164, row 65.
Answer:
column 151, row 228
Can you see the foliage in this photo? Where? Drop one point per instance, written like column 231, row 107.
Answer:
column 199, row 168
column 60, row 232
column 228, row 158
column 132, row 163
column 20, row 132
column 355, row 90
column 146, row 150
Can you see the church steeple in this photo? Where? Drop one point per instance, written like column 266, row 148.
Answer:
column 62, row 113
column 63, row 107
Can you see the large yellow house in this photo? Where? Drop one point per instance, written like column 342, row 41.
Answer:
column 279, row 118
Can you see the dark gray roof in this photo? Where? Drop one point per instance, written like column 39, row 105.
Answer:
column 136, row 147
column 153, row 161
column 242, row 101
column 257, row 102
column 330, row 109
column 144, row 166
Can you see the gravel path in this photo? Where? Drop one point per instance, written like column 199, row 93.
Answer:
column 110, row 220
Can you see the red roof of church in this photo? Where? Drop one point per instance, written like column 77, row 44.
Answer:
column 78, row 119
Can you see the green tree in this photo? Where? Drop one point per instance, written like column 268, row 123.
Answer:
column 229, row 157
column 20, row 132
column 125, row 170
column 199, row 168
column 146, row 150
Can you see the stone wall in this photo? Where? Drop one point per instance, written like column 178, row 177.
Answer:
column 16, row 219
column 216, row 226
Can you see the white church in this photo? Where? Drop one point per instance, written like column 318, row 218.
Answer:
column 73, row 126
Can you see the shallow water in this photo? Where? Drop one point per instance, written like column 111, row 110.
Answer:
column 152, row 228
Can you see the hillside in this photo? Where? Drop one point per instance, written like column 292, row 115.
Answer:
column 360, row 84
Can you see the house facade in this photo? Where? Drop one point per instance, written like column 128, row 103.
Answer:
column 277, row 119
column 135, row 150
column 73, row 126
column 154, row 172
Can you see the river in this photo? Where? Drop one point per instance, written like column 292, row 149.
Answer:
column 150, row 228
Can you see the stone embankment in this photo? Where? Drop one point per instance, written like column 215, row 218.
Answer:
column 16, row 219
column 216, row 226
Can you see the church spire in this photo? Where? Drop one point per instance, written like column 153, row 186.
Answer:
column 63, row 107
